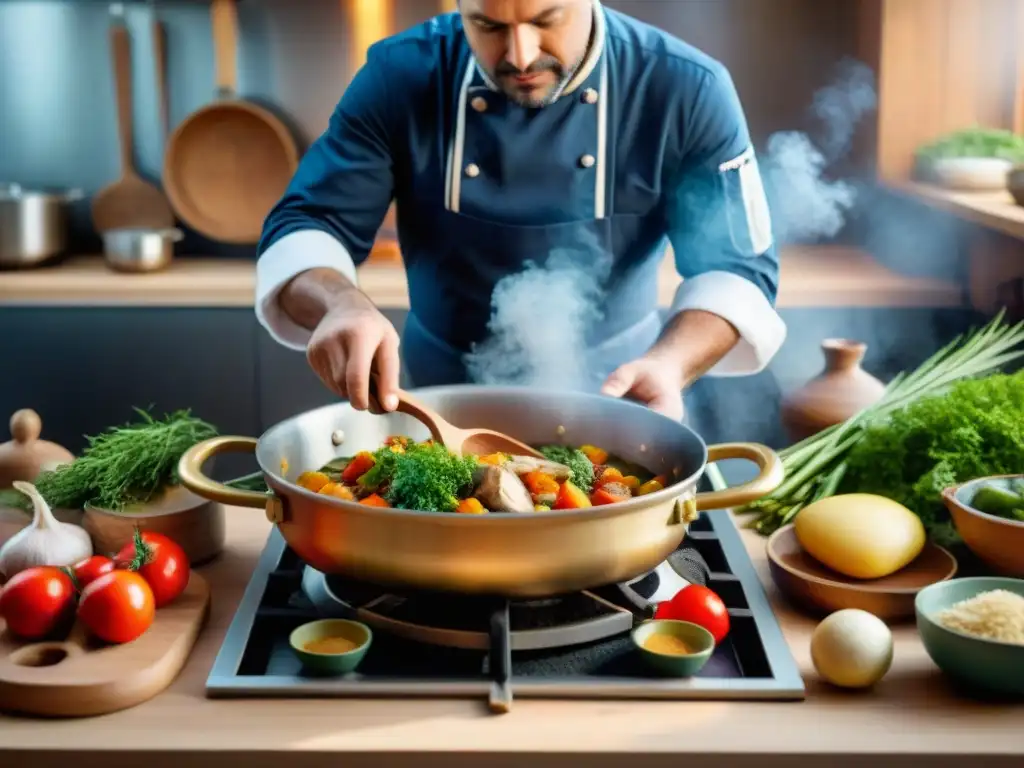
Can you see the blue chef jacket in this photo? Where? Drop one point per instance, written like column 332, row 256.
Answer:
column 646, row 144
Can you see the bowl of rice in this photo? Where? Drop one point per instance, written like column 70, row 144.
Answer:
column 973, row 629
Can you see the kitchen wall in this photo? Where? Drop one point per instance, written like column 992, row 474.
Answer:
column 57, row 115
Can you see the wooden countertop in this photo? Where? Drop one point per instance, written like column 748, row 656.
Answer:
column 911, row 719
column 818, row 276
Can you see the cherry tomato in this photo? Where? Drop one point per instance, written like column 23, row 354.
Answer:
column 117, row 607
column 160, row 561
column 36, row 602
column 90, row 569
column 698, row 605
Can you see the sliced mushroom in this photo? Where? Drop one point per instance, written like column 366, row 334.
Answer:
column 523, row 464
column 501, row 490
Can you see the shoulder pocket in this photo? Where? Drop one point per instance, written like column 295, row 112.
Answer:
column 746, row 205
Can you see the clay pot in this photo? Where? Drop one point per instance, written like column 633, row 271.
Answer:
column 840, row 391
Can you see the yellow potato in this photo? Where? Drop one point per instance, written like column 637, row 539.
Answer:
column 860, row 535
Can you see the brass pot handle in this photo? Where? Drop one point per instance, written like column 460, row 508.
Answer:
column 769, row 477
column 190, row 472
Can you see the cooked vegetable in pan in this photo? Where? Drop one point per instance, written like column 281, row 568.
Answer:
column 424, row 476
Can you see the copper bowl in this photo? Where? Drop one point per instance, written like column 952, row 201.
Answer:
column 995, row 540
column 820, row 590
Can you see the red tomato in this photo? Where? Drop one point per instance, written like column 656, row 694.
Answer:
column 91, row 569
column 698, row 605
column 37, row 601
column 117, row 607
column 160, row 561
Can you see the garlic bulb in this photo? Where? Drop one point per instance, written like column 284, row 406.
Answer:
column 46, row 541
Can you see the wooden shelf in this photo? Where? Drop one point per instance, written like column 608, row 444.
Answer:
column 995, row 210
column 811, row 277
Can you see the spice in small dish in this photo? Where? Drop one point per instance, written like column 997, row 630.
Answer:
column 330, row 645
column 669, row 645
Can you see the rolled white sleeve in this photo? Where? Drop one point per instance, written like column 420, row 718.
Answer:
column 285, row 259
column 741, row 303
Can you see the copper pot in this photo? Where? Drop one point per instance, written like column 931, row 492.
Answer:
column 512, row 555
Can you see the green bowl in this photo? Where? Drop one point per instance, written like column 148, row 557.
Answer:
column 695, row 636
column 331, row 663
column 984, row 666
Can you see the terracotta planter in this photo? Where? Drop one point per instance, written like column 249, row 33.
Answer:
column 840, row 391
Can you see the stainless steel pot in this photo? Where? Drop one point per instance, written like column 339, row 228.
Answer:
column 139, row 250
column 513, row 555
column 33, row 224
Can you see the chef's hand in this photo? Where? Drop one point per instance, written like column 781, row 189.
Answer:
column 652, row 380
column 349, row 342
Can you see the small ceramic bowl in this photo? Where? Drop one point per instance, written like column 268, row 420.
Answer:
column 1015, row 183
column 997, row 541
column 984, row 665
column 695, row 637
column 326, row 662
column 972, row 174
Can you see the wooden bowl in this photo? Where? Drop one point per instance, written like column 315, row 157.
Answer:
column 995, row 540
column 196, row 524
column 821, row 590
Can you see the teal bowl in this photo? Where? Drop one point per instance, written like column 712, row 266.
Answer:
column 326, row 662
column 984, row 666
column 698, row 640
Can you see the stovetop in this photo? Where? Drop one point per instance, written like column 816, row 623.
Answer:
column 575, row 647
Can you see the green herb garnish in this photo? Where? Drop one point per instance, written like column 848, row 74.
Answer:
column 424, row 477
column 125, row 465
column 976, row 142
column 579, row 465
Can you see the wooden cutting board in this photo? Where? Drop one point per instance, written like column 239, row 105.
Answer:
column 81, row 678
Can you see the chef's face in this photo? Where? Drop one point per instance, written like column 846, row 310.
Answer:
column 530, row 48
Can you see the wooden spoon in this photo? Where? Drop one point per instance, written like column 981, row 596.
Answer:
column 477, row 442
column 130, row 202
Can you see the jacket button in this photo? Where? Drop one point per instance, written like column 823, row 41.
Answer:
column 590, row 96
column 479, row 103
column 472, row 170
column 587, row 161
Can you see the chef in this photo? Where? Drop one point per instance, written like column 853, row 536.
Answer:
column 516, row 128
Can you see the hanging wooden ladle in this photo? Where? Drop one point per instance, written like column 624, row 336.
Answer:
column 476, row 442
column 131, row 202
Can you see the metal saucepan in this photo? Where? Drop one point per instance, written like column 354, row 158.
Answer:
column 33, row 224
column 140, row 250
column 520, row 556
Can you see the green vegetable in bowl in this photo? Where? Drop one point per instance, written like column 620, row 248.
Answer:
column 577, row 461
column 1000, row 501
column 425, row 476
column 976, row 142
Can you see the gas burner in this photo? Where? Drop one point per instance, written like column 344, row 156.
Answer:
column 465, row 622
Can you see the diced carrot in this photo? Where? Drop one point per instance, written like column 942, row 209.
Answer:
column 470, row 506
column 538, row 483
column 608, row 475
column 374, row 500
column 570, row 497
column 650, row 487
column 495, row 459
column 359, row 466
column 595, row 454
column 313, row 481
column 631, row 481
column 610, row 493
column 338, row 491
column 393, row 440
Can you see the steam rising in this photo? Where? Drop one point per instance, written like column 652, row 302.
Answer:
column 541, row 317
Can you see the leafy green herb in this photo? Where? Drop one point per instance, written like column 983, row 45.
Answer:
column 425, row 477
column 974, row 429
column 976, row 142
column 577, row 461
column 815, row 468
column 125, row 465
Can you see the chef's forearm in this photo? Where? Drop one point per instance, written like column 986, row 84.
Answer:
column 310, row 295
column 694, row 341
